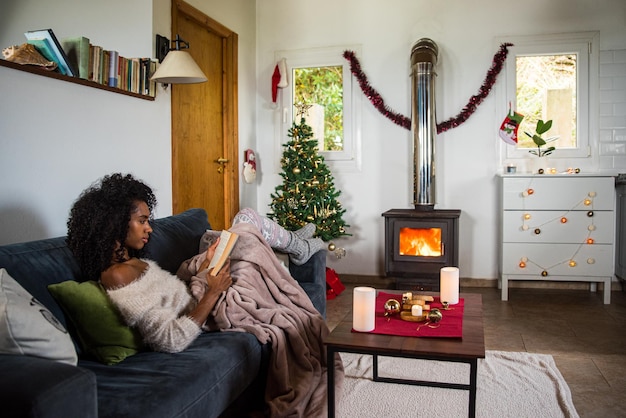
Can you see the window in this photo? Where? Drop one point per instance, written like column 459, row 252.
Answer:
column 321, row 78
column 553, row 77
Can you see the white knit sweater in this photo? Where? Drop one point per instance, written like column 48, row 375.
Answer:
column 157, row 304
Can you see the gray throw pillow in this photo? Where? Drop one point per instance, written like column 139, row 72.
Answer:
column 27, row 327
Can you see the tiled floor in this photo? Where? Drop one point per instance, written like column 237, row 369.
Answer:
column 586, row 338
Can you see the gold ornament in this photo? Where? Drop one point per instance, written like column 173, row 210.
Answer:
column 392, row 307
column 296, row 170
column 331, row 246
column 435, row 315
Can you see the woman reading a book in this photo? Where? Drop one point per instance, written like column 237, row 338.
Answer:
column 108, row 229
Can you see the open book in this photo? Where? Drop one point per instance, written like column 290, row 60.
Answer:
column 222, row 252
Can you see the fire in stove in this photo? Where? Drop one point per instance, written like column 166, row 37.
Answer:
column 418, row 244
column 424, row 242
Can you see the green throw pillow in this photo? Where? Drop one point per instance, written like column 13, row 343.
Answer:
column 101, row 331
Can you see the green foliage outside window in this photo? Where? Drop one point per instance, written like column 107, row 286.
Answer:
column 323, row 86
column 546, row 90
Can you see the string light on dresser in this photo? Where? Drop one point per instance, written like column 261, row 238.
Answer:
column 561, row 219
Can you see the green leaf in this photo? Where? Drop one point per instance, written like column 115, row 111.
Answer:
column 543, row 127
column 538, row 140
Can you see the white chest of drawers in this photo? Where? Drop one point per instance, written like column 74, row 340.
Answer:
column 557, row 228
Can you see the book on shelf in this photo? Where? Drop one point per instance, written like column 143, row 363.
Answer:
column 113, row 66
column 47, row 43
column 222, row 252
column 77, row 51
column 96, row 54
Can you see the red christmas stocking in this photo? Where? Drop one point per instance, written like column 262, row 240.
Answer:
column 508, row 129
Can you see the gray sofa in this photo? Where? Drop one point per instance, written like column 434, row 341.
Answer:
column 216, row 375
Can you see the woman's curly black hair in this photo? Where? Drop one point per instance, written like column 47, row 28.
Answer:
column 99, row 219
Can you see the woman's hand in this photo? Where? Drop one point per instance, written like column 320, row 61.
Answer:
column 210, row 252
column 221, row 281
column 217, row 285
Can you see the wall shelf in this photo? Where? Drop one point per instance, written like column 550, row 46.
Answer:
column 52, row 74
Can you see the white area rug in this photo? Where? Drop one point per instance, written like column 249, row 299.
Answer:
column 510, row 384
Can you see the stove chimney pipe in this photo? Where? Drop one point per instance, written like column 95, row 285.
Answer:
column 423, row 122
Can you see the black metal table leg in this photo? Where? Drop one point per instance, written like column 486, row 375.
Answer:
column 472, row 388
column 330, row 372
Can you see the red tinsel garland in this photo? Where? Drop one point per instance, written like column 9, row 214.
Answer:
column 405, row 122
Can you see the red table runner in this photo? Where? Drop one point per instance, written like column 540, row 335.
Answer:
column 450, row 326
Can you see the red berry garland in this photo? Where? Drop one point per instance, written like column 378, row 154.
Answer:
column 405, row 122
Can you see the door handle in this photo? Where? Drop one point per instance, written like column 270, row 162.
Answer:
column 222, row 162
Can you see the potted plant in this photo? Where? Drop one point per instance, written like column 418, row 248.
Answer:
column 542, row 128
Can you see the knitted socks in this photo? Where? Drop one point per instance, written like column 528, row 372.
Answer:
column 300, row 244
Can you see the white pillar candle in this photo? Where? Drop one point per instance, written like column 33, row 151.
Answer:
column 363, row 309
column 416, row 310
column 449, row 285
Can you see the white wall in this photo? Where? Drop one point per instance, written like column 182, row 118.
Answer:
column 57, row 138
column 467, row 157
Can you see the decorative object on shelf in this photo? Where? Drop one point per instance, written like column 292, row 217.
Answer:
column 177, row 66
column 511, row 169
column 364, row 309
column 48, row 45
column 401, row 120
column 449, row 285
column 27, row 54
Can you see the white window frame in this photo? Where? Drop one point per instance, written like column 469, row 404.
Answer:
column 586, row 46
column 348, row 160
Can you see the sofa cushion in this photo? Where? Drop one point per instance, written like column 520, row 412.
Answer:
column 34, row 387
column 175, row 239
column 100, row 329
column 27, row 327
column 36, row 264
column 200, row 381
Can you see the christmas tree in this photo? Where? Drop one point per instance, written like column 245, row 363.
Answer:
column 307, row 193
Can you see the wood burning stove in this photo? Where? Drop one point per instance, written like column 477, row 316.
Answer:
column 418, row 244
column 420, row 241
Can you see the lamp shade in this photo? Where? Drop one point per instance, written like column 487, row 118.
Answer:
column 178, row 67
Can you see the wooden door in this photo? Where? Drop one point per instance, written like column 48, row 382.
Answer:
column 204, row 120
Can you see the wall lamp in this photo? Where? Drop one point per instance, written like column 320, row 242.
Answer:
column 177, row 66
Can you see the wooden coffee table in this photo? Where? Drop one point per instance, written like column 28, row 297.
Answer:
column 468, row 350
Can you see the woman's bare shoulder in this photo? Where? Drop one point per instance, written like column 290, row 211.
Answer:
column 122, row 274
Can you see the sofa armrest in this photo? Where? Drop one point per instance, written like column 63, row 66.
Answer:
column 312, row 277
column 36, row 387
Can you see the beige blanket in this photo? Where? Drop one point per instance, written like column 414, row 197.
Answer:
column 266, row 301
